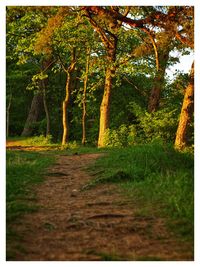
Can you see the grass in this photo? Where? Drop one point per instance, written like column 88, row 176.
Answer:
column 33, row 141
column 70, row 148
column 23, row 169
column 157, row 178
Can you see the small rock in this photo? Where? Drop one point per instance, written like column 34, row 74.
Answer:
column 74, row 193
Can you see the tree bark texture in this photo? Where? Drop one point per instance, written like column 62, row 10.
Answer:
column 36, row 106
column 46, row 107
column 154, row 98
column 84, row 98
column 186, row 113
column 65, row 104
column 105, row 105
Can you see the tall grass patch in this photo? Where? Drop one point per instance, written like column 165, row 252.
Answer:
column 23, row 171
column 158, row 178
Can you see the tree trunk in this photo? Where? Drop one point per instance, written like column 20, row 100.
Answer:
column 105, row 104
column 186, row 113
column 8, row 115
column 84, row 98
column 46, row 108
column 154, row 99
column 33, row 115
column 66, row 101
column 109, row 40
column 65, row 110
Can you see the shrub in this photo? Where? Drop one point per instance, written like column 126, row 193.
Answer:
column 121, row 137
column 159, row 125
column 40, row 140
column 70, row 145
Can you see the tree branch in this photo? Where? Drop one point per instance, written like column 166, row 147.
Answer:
column 184, row 40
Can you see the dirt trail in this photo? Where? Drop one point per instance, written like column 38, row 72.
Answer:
column 94, row 224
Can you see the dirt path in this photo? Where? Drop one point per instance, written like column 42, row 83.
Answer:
column 95, row 224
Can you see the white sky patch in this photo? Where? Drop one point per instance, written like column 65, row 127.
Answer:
column 183, row 66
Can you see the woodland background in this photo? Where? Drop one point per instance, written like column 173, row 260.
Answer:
column 97, row 75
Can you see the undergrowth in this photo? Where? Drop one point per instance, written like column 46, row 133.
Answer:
column 40, row 140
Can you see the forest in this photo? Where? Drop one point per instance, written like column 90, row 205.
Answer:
column 88, row 87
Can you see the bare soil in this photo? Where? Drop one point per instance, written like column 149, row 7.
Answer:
column 87, row 225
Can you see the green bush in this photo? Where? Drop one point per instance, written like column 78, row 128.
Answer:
column 70, row 145
column 121, row 137
column 40, row 140
column 159, row 125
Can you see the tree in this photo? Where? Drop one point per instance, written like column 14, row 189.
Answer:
column 21, row 36
column 95, row 55
column 107, row 27
column 168, row 18
column 186, row 113
column 66, row 101
column 186, row 36
column 84, row 96
column 33, row 114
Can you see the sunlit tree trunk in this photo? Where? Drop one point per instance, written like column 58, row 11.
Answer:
column 33, row 115
column 84, row 98
column 65, row 111
column 109, row 39
column 105, row 104
column 186, row 113
column 66, row 101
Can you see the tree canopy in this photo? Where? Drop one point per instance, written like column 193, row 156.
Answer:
column 97, row 74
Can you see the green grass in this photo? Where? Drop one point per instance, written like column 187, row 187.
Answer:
column 157, row 178
column 40, row 140
column 23, row 170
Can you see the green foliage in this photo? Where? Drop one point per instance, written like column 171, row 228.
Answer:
column 157, row 126
column 35, row 34
column 70, row 145
column 153, row 175
column 121, row 137
column 36, row 81
column 17, row 79
column 38, row 140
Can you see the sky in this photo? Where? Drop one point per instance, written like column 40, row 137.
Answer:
column 183, row 66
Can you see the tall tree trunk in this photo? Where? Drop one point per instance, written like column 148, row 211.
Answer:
column 105, row 104
column 109, row 39
column 33, row 115
column 186, row 113
column 154, row 99
column 66, row 101
column 84, row 98
column 8, row 115
column 65, row 105
column 46, row 108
